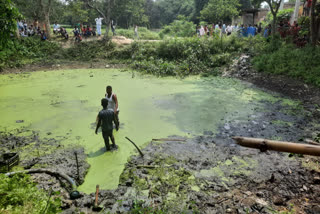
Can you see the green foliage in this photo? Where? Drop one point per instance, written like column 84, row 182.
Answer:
column 86, row 51
column 304, row 23
column 179, row 28
column 300, row 63
column 217, row 11
column 76, row 12
column 9, row 15
column 199, row 5
column 25, row 51
column 139, row 207
column 282, row 15
column 129, row 13
column 20, row 195
column 171, row 9
column 181, row 57
column 144, row 33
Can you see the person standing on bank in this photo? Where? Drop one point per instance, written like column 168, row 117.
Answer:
column 98, row 24
column 113, row 104
column 105, row 119
column 136, row 31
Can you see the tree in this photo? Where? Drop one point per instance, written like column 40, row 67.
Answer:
column 104, row 8
column 274, row 8
column 45, row 6
column 9, row 15
column 76, row 12
column 130, row 12
column 217, row 10
column 256, row 3
column 198, row 6
column 171, row 9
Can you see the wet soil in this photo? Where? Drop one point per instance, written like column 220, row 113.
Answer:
column 47, row 153
column 211, row 174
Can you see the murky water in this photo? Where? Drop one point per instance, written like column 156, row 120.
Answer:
column 64, row 104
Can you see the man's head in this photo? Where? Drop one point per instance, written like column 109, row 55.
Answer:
column 109, row 90
column 104, row 102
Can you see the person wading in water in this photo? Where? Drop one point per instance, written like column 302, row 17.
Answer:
column 113, row 104
column 105, row 119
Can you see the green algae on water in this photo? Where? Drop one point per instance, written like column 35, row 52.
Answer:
column 65, row 104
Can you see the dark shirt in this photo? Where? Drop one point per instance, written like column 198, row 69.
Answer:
column 106, row 116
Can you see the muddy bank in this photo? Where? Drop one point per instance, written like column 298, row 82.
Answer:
column 47, row 153
column 211, row 174
column 241, row 68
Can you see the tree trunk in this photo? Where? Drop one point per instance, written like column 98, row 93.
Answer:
column 107, row 19
column 274, row 23
column 47, row 24
column 45, row 11
column 313, row 26
column 296, row 12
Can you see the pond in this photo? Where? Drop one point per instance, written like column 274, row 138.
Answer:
column 63, row 104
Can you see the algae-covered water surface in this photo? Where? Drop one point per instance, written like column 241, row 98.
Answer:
column 64, row 104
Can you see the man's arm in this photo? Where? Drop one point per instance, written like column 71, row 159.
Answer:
column 98, row 124
column 116, row 102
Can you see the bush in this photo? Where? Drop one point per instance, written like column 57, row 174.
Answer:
column 181, row 57
column 282, row 15
column 300, row 63
column 25, row 51
column 179, row 28
column 20, row 195
column 143, row 32
column 86, row 51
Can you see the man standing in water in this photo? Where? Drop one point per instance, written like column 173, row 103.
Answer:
column 106, row 117
column 113, row 104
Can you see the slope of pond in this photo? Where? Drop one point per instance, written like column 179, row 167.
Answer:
column 64, row 105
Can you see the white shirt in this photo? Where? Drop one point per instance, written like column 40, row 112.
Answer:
column 98, row 21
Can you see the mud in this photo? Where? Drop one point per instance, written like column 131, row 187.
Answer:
column 211, row 174
column 46, row 153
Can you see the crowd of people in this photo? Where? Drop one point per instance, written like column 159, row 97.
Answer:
column 241, row 31
column 32, row 30
column 284, row 28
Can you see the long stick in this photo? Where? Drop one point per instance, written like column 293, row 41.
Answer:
column 264, row 144
column 135, row 146
column 78, row 174
column 47, row 171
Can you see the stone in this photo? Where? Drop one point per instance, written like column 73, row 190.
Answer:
column 279, row 201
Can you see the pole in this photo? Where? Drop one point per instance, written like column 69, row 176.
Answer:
column 281, row 146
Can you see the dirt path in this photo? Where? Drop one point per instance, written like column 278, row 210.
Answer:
column 119, row 40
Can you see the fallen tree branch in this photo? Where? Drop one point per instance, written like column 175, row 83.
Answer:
column 135, row 146
column 146, row 166
column 264, row 144
column 47, row 171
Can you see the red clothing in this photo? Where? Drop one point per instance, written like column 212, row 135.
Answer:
column 309, row 3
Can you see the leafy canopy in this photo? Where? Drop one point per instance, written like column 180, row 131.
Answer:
column 9, row 15
column 217, row 10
